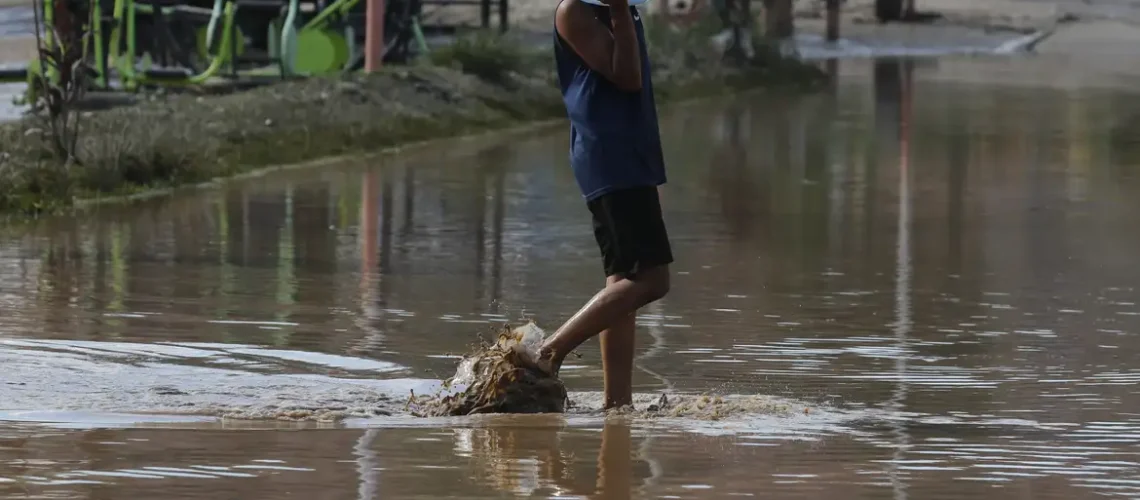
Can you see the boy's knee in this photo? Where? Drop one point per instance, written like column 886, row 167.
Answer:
column 656, row 284
column 661, row 288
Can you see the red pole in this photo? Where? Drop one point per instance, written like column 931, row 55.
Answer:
column 374, row 36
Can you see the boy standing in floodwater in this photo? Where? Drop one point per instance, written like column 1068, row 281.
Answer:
column 615, row 151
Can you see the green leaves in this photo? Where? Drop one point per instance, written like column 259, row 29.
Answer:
column 60, row 81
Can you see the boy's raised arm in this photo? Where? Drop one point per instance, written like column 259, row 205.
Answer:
column 615, row 55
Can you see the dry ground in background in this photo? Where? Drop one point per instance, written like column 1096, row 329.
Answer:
column 16, row 50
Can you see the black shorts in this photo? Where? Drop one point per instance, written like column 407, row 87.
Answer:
column 630, row 231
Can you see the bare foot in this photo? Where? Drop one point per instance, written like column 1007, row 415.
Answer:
column 542, row 361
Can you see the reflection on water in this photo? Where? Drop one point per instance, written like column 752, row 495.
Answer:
column 905, row 288
column 545, row 457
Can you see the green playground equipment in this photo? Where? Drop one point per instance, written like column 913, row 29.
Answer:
column 91, row 46
column 138, row 43
column 330, row 40
column 125, row 20
column 196, row 44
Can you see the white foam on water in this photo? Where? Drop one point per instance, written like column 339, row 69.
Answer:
column 126, row 474
column 114, row 383
column 274, row 467
column 84, row 384
column 315, row 358
column 253, row 323
column 750, row 417
column 82, row 419
column 116, row 349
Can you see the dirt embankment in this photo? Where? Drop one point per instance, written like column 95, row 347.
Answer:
column 470, row 86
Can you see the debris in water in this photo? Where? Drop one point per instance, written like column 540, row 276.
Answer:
column 713, row 407
column 498, row 378
column 661, row 405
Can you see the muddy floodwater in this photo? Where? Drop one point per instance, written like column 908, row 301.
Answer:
column 908, row 286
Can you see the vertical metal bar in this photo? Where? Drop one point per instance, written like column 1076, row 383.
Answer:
column 99, row 55
column 233, row 49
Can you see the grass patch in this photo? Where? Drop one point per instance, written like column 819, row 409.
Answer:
column 485, row 54
column 481, row 82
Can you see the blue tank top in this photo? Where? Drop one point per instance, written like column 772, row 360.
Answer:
column 614, row 139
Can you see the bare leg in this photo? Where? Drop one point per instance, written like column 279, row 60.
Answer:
column 617, row 302
column 617, row 361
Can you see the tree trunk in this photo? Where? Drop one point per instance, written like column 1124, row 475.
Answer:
column 888, row 10
column 739, row 21
column 68, row 28
column 778, row 19
column 833, row 20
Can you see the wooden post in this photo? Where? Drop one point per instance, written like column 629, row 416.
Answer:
column 832, row 20
column 374, row 36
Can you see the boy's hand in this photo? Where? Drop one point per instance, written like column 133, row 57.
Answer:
column 612, row 51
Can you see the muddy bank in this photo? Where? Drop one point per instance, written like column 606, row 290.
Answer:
column 471, row 86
